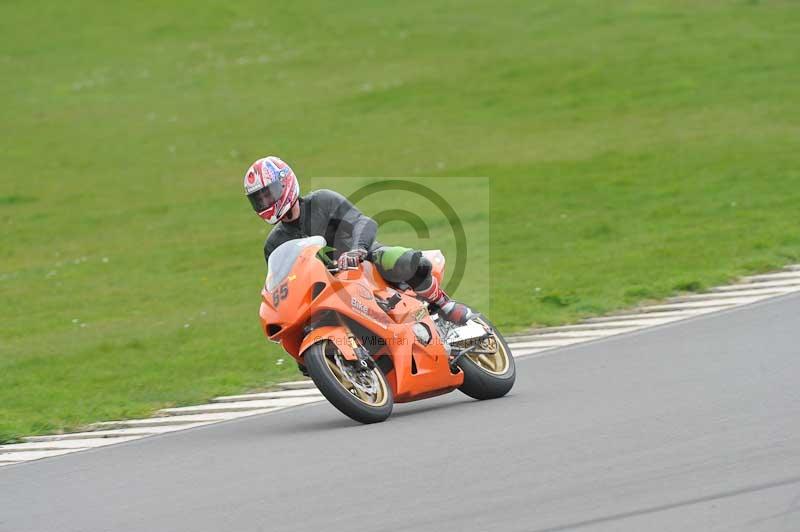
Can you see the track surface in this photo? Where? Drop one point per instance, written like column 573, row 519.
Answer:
column 692, row 426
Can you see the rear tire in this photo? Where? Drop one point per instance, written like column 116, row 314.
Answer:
column 321, row 364
column 480, row 382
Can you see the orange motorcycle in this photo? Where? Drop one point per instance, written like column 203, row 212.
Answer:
column 367, row 344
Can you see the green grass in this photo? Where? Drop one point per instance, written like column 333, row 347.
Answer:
column 634, row 149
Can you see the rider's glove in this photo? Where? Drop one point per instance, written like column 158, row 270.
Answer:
column 351, row 259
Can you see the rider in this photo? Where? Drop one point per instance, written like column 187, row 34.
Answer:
column 273, row 190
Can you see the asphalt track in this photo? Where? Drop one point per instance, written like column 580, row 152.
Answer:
column 689, row 426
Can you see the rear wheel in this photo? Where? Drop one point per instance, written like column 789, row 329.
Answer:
column 359, row 393
column 489, row 370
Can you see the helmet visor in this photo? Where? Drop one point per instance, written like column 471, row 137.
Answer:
column 264, row 198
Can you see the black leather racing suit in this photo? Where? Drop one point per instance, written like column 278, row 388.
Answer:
column 329, row 214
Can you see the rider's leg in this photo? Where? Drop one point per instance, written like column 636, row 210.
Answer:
column 396, row 264
column 449, row 309
column 404, row 265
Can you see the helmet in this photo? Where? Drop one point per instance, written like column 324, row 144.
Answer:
column 271, row 187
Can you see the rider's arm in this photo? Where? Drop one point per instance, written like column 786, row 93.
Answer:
column 276, row 238
column 364, row 229
column 357, row 230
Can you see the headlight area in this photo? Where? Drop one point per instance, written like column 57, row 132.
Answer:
column 272, row 330
column 317, row 288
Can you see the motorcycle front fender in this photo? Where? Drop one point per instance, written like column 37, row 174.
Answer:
column 337, row 334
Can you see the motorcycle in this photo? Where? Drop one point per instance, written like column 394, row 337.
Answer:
column 367, row 344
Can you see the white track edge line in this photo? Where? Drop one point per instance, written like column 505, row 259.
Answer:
column 529, row 349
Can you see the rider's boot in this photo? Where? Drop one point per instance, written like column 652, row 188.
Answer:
column 448, row 309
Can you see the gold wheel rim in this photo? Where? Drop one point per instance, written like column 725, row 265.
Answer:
column 495, row 363
column 377, row 399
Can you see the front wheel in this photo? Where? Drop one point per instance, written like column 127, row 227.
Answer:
column 489, row 370
column 359, row 393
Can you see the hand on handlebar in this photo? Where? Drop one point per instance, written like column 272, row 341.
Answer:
column 351, row 259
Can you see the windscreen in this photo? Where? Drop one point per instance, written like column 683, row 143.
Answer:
column 283, row 258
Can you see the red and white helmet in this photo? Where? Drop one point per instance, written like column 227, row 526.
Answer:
column 271, row 187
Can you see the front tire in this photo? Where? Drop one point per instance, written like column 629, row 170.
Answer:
column 365, row 397
column 490, row 374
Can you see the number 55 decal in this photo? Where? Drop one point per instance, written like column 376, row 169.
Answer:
column 280, row 294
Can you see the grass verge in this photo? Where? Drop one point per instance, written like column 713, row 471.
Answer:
column 633, row 150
